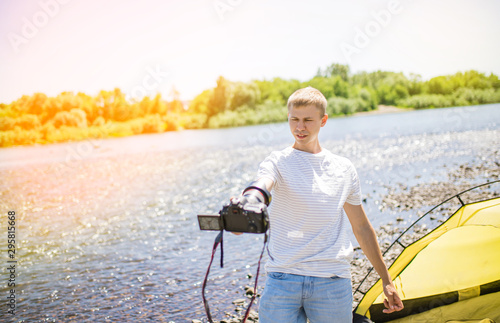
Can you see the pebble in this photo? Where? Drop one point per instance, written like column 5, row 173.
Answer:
column 249, row 291
column 239, row 301
column 401, row 198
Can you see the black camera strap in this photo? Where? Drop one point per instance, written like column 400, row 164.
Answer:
column 218, row 240
column 256, row 280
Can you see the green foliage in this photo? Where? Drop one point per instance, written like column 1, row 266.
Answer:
column 467, row 96
column 153, row 124
column 461, row 97
column 471, row 79
column 343, row 106
column 192, row 121
column 7, row 123
column 218, row 101
column 243, row 94
column 422, row 101
column 329, row 86
column 278, row 90
column 28, row 122
column 343, row 71
column 369, row 97
column 199, row 104
column 73, row 118
column 392, row 88
column 264, row 113
column 19, row 137
column 415, row 84
column 38, row 119
column 439, row 85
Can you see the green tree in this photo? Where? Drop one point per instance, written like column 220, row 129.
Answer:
column 439, row 85
column 415, row 84
column 218, row 102
column 200, row 103
column 337, row 70
column 243, row 94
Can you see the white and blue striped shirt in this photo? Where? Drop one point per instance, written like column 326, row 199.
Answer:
column 308, row 225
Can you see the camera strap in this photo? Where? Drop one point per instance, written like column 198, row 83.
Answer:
column 256, row 280
column 219, row 240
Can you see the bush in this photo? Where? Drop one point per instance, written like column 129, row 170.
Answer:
column 136, row 126
column 73, row 118
column 28, row 122
column 192, row 121
column 423, row 101
column 99, row 121
column 119, row 129
column 264, row 113
column 153, row 124
column 369, row 97
column 7, row 123
column 226, row 119
column 170, row 121
column 25, row 121
column 461, row 97
column 467, row 96
column 19, row 137
column 339, row 106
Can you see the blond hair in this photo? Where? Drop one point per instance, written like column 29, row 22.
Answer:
column 308, row 96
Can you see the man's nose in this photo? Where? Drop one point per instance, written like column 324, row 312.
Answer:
column 300, row 125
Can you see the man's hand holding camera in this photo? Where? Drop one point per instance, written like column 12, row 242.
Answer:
column 247, row 213
column 247, row 202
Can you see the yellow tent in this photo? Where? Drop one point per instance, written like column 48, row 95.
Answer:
column 452, row 274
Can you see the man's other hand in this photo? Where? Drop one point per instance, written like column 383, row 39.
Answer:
column 392, row 301
column 236, row 233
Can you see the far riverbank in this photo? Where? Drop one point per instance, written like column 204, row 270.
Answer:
column 383, row 109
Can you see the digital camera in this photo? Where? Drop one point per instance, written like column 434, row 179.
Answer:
column 238, row 216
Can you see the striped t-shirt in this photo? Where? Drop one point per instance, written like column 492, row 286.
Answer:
column 308, row 225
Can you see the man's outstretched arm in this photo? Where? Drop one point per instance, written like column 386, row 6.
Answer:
column 263, row 183
column 367, row 239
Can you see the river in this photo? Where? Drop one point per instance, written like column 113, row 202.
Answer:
column 106, row 230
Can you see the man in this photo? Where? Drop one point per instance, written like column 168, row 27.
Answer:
column 315, row 194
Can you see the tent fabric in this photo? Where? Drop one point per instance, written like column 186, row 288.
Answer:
column 462, row 258
column 457, row 261
column 482, row 309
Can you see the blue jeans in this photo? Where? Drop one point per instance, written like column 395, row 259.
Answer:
column 289, row 298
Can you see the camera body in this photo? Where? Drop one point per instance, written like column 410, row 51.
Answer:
column 238, row 216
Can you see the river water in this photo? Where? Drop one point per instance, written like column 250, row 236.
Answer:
column 107, row 229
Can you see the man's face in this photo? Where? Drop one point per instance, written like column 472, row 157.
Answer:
column 305, row 123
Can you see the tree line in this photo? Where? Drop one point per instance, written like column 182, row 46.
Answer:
column 39, row 119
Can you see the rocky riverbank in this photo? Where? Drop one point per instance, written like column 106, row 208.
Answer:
column 401, row 198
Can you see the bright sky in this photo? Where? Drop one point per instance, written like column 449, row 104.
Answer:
column 148, row 46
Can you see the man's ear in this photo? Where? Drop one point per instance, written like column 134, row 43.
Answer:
column 323, row 120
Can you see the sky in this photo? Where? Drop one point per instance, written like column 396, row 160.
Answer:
column 152, row 46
